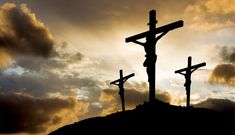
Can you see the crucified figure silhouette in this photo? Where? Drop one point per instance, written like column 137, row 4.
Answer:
column 187, row 72
column 150, row 47
column 150, row 55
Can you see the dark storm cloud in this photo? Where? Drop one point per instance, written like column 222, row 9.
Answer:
column 21, row 33
column 60, row 61
column 222, row 105
column 223, row 74
column 40, row 84
column 26, row 114
column 41, row 77
column 227, row 54
column 31, row 83
column 38, row 63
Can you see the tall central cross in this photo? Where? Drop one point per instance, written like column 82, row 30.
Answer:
column 120, row 82
column 187, row 74
column 150, row 47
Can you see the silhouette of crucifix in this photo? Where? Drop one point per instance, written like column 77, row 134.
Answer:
column 150, row 47
column 187, row 74
column 120, row 83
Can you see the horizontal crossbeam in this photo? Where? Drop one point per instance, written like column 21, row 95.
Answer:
column 192, row 67
column 126, row 77
column 161, row 29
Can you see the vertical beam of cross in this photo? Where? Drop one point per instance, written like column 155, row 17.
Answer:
column 150, row 47
column 188, row 81
column 151, row 57
column 187, row 72
column 120, row 83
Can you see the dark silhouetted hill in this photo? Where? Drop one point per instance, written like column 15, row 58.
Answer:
column 156, row 118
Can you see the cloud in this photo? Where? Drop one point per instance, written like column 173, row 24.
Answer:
column 41, row 83
column 38, row 76
column 22, row 33
column 22, row 113
column 60, row 62
column 223, row 74
column 5, row 60
column 227, row 53
column 210, row 14
column 111, row 99
column 222, row 105
column 221, row 53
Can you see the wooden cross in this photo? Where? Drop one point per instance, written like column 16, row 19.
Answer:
column 150, row 47
column 187, row 74
column 120, row 83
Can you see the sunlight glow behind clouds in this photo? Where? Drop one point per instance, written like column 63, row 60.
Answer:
column 91, row 48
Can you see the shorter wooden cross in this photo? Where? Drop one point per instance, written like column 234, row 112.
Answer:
column 187, row 74
column 120, row 83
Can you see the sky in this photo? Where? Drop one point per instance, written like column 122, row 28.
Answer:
column 58, row 57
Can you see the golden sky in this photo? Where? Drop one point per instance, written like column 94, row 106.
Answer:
column 60, row 55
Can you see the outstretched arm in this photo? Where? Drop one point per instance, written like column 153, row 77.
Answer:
column 194, row 70
column 160, row 36
column 125, row 79
column 116, row 83
column 181, row 73
column 140, row 43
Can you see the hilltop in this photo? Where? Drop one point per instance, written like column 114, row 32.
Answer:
column 156, row 117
